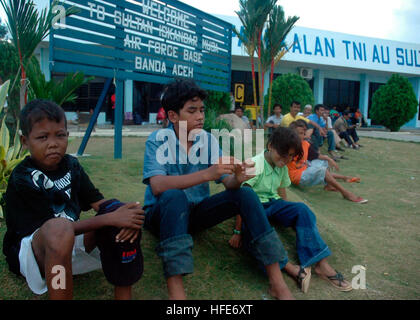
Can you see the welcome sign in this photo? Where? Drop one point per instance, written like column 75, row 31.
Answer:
column 144, row 40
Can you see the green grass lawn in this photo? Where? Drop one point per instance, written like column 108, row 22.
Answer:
column 382, row 235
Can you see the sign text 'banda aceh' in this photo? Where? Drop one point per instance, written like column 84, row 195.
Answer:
column 143, row 40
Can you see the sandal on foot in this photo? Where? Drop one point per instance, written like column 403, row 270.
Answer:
column 303, row 282
column 354, row 179
column 340, row 278
column 360, row 200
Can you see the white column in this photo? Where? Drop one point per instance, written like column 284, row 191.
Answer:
column 128, row 99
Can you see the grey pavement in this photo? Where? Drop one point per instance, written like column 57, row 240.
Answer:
column 408, row 136
column 146, row 130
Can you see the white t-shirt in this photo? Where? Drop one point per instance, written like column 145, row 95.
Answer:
column 274, row 119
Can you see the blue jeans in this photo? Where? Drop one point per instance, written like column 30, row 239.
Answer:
column 174, row 219
column 309, row 245
column 318, row 140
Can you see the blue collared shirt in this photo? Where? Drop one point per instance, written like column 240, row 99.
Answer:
column 165, row 156
column 318, row 120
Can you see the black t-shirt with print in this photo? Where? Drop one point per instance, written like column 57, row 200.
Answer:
column 34, row 196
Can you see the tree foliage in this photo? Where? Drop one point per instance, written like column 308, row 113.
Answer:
column 291, row 87
column 394, row 104
column 3, row 30
column 59, row 91
column 10, row 147
column 257, row 15
column 28, row 27
column 218, row 101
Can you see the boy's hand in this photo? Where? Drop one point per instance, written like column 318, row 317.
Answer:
column 225, row 166
column 333, row 164
column 127, row 234
column 244, row 171
column 130, row 215
column 236, row 241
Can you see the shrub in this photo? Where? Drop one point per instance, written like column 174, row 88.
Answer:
column 211, row 121
column 218, row 101
column 10, row 150
column 287, row 88
column 394, row 104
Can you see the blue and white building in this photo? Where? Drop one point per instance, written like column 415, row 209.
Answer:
column 343, row 70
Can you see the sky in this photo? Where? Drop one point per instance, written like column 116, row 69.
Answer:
column 397, row 20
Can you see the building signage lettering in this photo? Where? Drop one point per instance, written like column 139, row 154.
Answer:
column 331, row 48
column 159, row 38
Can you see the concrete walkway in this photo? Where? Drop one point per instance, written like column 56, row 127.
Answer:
column 408, row 136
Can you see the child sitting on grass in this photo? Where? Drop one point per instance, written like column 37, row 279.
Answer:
column 270, row 183
column 45, row 241
column 309, row 173
column 178, row 203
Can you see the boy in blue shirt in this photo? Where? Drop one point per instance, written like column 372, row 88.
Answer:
column 178, row 201
column 270, row 185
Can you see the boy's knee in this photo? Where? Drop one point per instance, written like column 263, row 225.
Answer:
column 305, row 211
column 58, row 235
column 173, row 195
column 247, row 193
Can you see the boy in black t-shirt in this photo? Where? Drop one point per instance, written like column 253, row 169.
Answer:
column 45, row 240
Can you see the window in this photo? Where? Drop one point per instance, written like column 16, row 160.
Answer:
column 341, row 93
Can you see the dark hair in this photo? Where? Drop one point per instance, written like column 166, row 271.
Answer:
column 38, row 110
column 298, row 124
column 277, row 105
column 295, row 102
column 283, row 139
column 178, row 92
column 346, row 113
column 316, row 108
column 239, row 107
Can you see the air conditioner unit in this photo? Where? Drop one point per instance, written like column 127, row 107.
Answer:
column 306, row 73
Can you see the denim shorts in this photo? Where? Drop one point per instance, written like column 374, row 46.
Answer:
column 314, row 173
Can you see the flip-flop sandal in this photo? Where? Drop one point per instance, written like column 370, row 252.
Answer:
column 360, row 200
column 354, row 179
column 340, row 278
column 304, row 282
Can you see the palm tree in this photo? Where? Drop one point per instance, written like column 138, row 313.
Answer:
column 28, row 28
column 248, row 37
column 253, row 14
column 274, row 40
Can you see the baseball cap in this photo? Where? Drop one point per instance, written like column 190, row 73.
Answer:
column 122, row 262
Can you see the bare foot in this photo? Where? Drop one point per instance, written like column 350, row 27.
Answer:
column 350, row 196
column 280, row 292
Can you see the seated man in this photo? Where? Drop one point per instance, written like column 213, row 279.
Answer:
column 274, row 121
column 293, row 116
column 239, row 111
column 329, row 127
column 318, row 136
column 307, row 110
column 345, row 131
